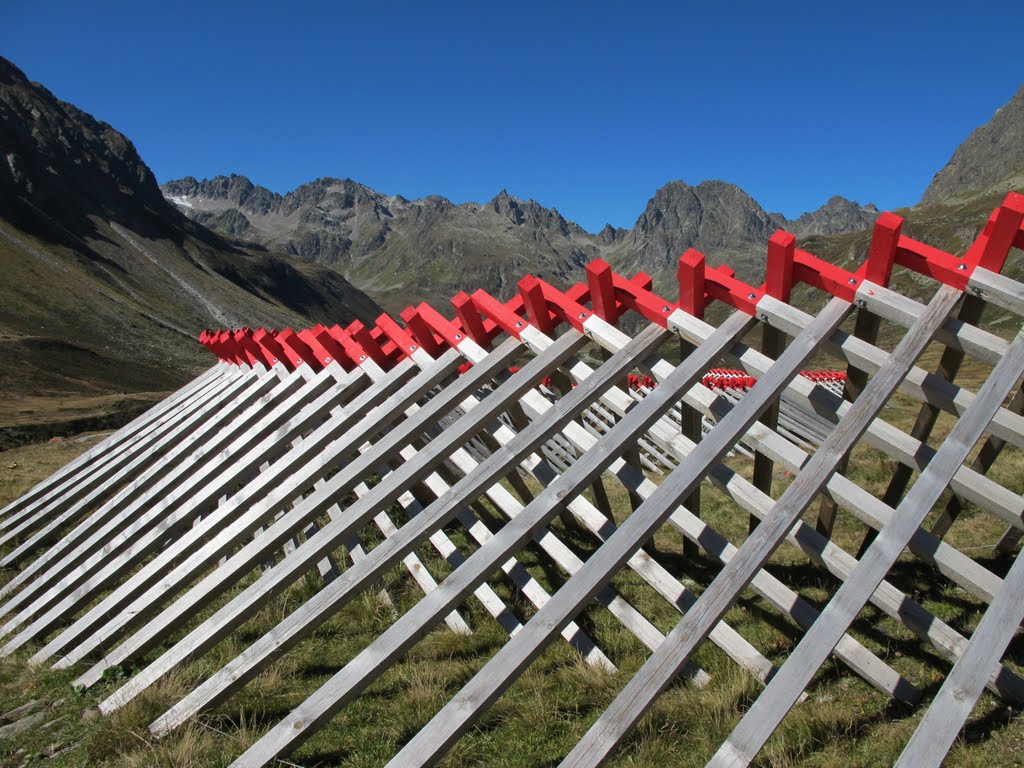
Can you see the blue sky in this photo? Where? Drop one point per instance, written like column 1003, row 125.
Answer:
column 586, row 107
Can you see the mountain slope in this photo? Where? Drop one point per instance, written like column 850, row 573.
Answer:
column 403, row 251
column 105, row 284
column 990, row 160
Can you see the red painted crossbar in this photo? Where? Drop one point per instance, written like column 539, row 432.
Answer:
column 481, row 317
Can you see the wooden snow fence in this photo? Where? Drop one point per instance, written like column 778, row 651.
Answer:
column 348, row 452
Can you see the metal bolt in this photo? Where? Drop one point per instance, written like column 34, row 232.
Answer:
column 582, row 315
column 458, row 336
column 751, row 295
column 519, row 324
column 664, row 309
column 412, row 347
column 852, row 281
column 327, row 359
column 362, row 357
column 961, row 267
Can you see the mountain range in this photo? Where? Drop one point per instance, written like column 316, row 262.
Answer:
column 105, row 285
column 402, row 251
column 109, row 277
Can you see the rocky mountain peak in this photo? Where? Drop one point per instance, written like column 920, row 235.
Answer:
column 991, row 159
column 63, row 163
column 836, row 216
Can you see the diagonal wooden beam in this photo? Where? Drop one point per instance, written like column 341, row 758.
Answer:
column 764, row 716
column 249, row 601
column 401, row 635
column 68, row 475
column 658, row 671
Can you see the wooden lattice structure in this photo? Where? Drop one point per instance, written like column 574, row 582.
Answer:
column 263, row 462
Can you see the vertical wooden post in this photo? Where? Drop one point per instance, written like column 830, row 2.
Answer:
column 779, row 285
column 881, row 257
column 690, row 276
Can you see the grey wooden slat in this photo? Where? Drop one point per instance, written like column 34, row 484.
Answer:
column 111, row 467
column 972, row 486
column 144, row 464
column 89, row 534
column 302, row 468
column 767, row 712
column 110, row 444
column 319, row 453
column 1000, row 290
column 658, row 671
column 229, row 457
column 951, row 707
column 322, row 704
column 219, row 625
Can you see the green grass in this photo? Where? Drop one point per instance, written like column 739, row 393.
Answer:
column 843, row 722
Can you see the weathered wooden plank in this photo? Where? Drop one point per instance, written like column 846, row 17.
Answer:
column 181, row 491
column 67, row 475
column 219, row 625
column 945, row 718
column 767, row 712
column 659, row 670
column 320, row 452
column 143, row 465
column 408, row 628
column 117, row 463
column 997, row 289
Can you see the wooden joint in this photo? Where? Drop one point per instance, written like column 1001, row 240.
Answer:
column 299, row 350
column 501, row 314
column 602, row 291
column 402, row 339
column 352, row 348
column 779, row 268
column 468, row 314
column 333, row 348
column 882, row 252
column 274, row 350
column 320, row 353
column 421, row 331
column 690, row 274
column 531, row 289
column 568, row 306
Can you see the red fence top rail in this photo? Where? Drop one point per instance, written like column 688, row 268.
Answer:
column 481, row 317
